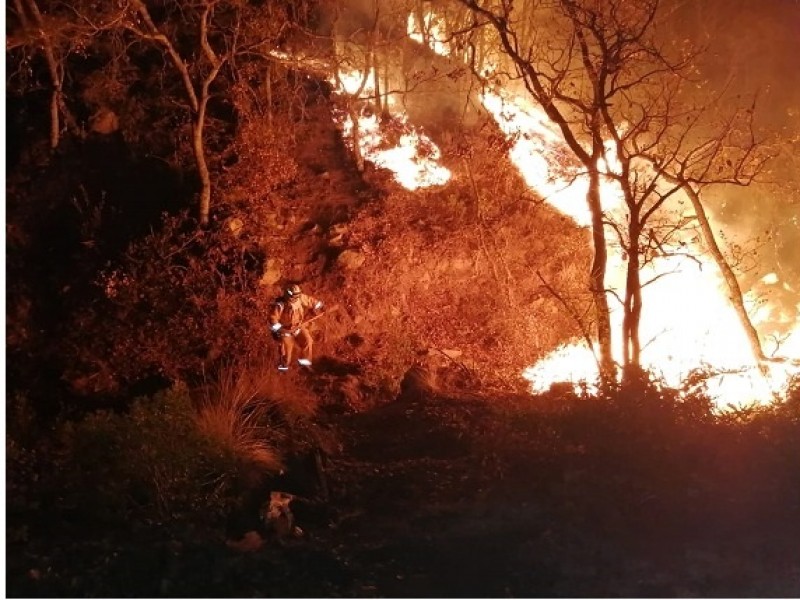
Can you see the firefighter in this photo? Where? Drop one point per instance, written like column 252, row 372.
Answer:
column 286, row 322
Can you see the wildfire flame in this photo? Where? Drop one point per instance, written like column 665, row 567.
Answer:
column 687, row 320
column 535, row 151
column 430, row 32
column 413, row 159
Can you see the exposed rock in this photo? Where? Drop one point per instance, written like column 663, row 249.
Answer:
column 105, row 121
column 350, row 260
column 251, row 542
column 462, row 264
column 278, row 515
column 235, row 225
column 416, row 381
column 272, row 272
column 273, row 221
column 337, row 233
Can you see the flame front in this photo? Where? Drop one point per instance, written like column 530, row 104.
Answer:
column 687, row 322
column 414, row 158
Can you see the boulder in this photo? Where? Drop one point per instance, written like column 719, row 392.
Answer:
column 105, row 121
column 350, row 260
column 272, row 272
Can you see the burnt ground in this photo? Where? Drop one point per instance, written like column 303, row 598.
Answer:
column 432, row 495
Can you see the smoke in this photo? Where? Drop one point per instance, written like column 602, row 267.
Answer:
column 435, row 92
column 752, row 44
column 751, row 50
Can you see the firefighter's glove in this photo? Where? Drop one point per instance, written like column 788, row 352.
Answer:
column 276, row 331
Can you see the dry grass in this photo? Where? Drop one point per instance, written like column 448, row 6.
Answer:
column 235, row 414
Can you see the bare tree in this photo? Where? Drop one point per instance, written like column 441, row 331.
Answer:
column 620, row 97
column 376, row 67
column 201, row 41
column 731, row 154
column 550, row 81
column 53, row 35
column 197, row 76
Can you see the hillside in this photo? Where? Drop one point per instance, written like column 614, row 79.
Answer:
column 430, row 484
column 154, row 450
column 462, row 269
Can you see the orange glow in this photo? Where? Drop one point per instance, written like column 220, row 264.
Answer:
column 413, row 160
column 687, row 320
column 434, row 29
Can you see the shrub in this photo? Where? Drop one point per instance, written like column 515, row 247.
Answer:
column 179, row 302
column 233, row 414
column 21, row 419
column 150, row 462
column 255, row 415
column 779, row 425
column 792, row 396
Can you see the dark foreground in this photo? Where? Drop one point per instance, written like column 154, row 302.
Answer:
column 440, row 497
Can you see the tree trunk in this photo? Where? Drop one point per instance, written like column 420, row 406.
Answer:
column 376, row 77
column 386, row 111
column 269, row 94
column 356, row 137
column 155, row 35
column 632, row 308
column 198, row 148
column 597, row 278
column 53, row 70
column 374, row 62
column 734, row 291
column 198, row 145
column 354, row 115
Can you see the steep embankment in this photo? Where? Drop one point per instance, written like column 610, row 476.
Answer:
column 468, row 277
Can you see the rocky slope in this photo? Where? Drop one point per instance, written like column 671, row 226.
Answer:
column 468, row 277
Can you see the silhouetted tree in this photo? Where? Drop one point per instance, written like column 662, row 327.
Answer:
column 52, row 35
column 628, row 109
column 198, row 40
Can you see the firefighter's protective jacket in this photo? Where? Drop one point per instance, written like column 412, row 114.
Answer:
column 290, row 314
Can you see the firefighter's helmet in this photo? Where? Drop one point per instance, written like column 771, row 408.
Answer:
column 292, row 291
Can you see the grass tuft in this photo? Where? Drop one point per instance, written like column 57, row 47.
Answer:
column 234, row 415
